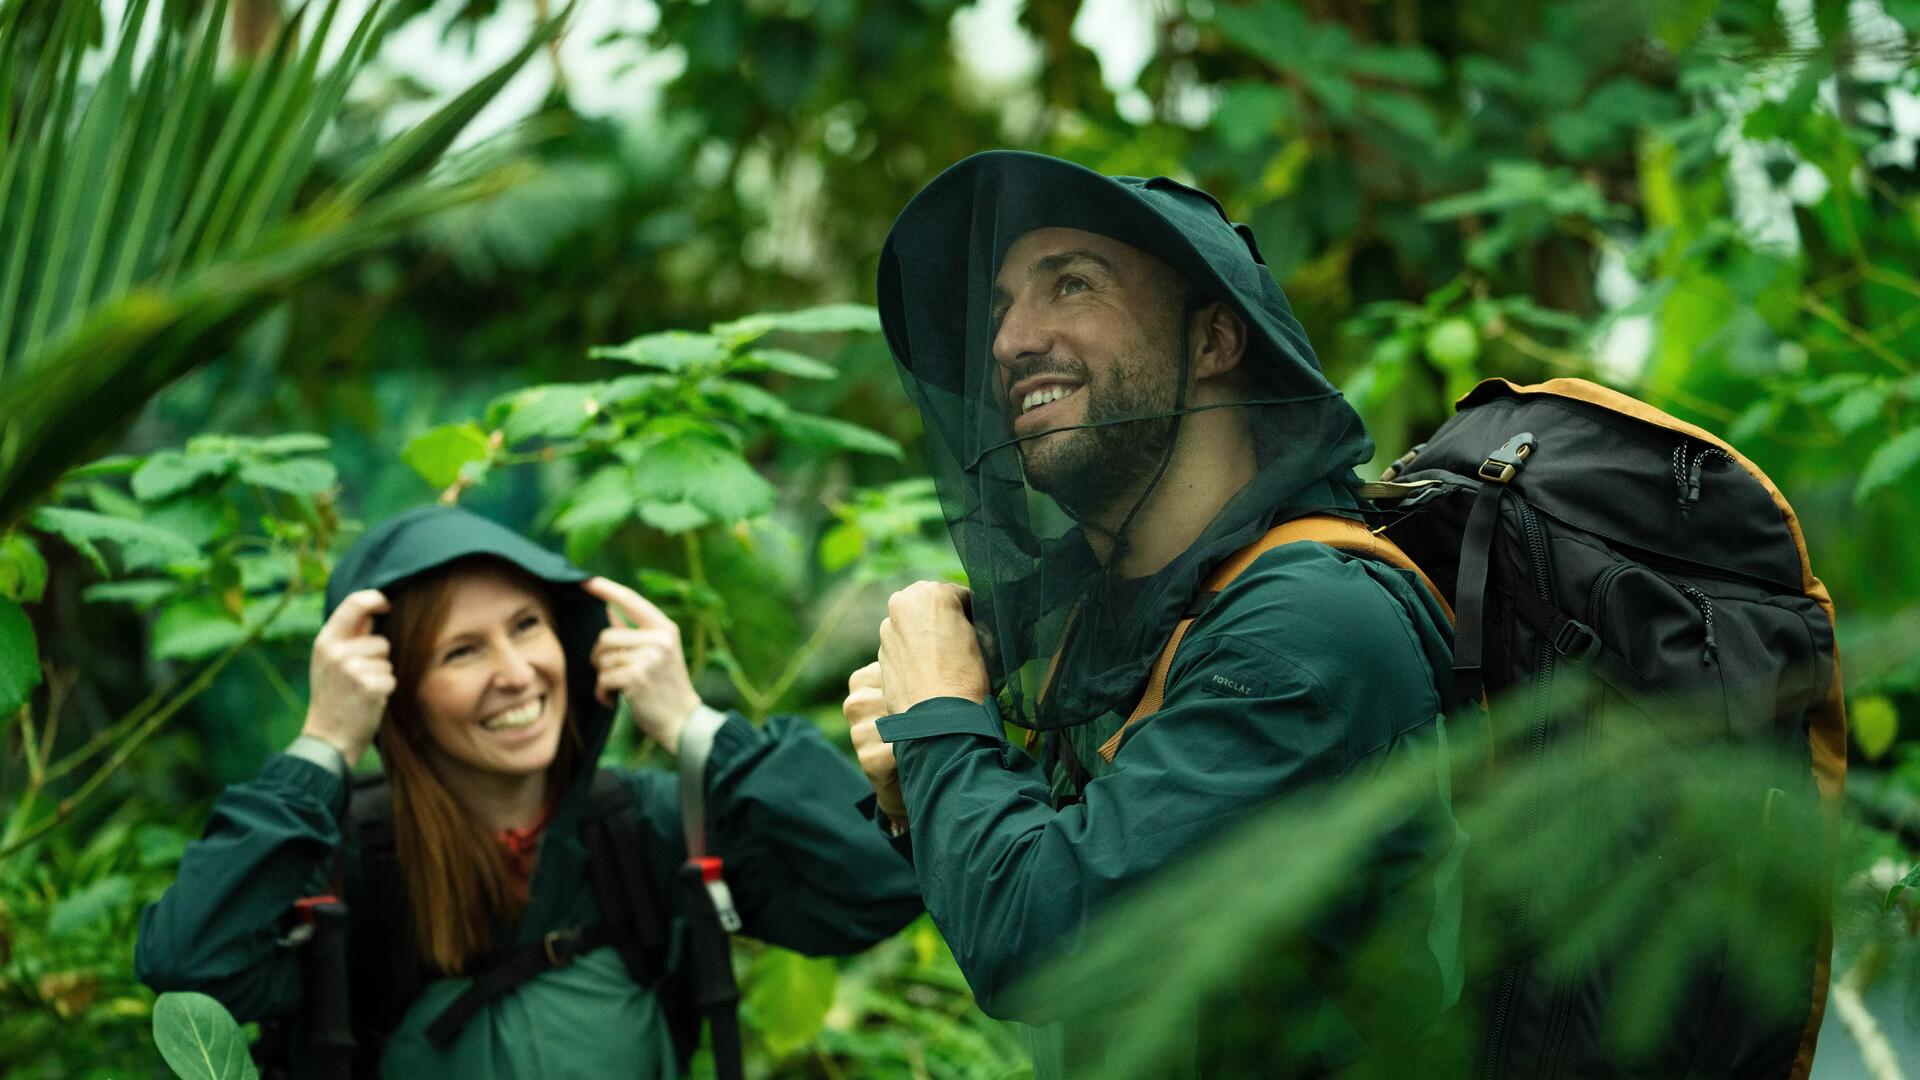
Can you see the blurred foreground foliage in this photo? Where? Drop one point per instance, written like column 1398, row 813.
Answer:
column 1714, row 205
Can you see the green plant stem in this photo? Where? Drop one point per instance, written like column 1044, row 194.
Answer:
column 112, row 733
column 279, row 685
column 814, row 643
column 1819, row 308
column 65, row 808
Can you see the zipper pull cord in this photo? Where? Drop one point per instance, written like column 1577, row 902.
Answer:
column 1705, row 603
column 1680, row 476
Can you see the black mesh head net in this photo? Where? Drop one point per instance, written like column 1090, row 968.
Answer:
column 1117, row 397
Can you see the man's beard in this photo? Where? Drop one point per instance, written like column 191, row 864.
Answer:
column 1098, row 472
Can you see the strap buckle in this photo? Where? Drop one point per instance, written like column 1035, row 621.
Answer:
column 1502, row 464
column 562, row 946
column 1577, row 642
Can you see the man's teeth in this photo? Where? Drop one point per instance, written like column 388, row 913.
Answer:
column 1037, row 398
column 517, row 717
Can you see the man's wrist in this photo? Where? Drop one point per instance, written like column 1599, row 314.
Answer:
column 321, row 751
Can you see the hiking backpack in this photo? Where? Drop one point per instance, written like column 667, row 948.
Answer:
column 1599, row 555
column 362, row 975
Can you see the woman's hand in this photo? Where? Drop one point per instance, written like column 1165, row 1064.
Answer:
column 865, row 705
column 351, row 677
column 640, row 657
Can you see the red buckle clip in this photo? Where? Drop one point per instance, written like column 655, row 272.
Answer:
column 711, row 867
column 303, row 907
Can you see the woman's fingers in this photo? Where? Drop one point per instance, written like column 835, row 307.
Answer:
column 638, row 610
column 354, row 617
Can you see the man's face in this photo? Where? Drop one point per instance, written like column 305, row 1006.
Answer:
column 1087, row 329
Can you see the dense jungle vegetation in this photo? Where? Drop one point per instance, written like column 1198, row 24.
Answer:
column 268, row 272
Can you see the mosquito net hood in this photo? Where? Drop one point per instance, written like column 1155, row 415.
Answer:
column 1117, row 397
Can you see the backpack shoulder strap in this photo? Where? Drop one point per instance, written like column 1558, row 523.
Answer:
column 1343, row 534
column 385, row 975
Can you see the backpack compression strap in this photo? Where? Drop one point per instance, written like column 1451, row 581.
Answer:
column 1342, row 534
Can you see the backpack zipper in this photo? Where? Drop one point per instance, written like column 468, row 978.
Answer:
column 1711, row 650
column 1536, row 747
column 1686, row 471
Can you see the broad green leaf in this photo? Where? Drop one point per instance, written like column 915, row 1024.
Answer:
column 841, row 545
column 671, row 350
column 194, row 628
column 91, row 906
column 438, row 454
column 1890, row 464
column 112, row 465
column 1861, row 407
column 751, row 400
column 1252, row 111
column 647, row 389
column 698, row 470
column 787, row 996
column 826, row 319
column 825, row 433
column 199, row 1039
column 786, row 362
column 23, row 571
column 1875, row 724
column 673, row 517
column 598, row 504
column 19, row 658
column 141, row 543
column 1275, row 31
column 170, row 472
column 296, row 476
column 552, row 412
column 1408, row 65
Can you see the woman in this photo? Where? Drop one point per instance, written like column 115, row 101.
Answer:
column 485, row 669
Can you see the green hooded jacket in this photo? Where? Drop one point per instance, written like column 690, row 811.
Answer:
column 1311, row 669
column 807, row 871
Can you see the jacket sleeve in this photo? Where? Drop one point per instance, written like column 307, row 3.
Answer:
column 807, row 870
column 1011, row 881
column 214, row 930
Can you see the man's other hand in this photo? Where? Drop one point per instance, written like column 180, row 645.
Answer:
column 928, row 649
column 865, row 705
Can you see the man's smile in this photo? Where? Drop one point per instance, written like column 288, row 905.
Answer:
column 1035, row 401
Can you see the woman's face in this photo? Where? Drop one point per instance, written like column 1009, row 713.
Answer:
column 493, row 697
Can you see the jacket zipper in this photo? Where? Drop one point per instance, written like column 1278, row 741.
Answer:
column 1536, row 748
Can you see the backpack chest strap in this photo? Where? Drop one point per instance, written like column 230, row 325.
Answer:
column 1342, row 534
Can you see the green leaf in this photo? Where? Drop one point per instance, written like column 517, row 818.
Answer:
column 90, row 907
column 674, row 517
column 199, row 1039
column 297, row 476
column 1888, row 465
column 1251, row 111
column 786, row 362
column 1861, row 407
column 1875, row 724
column 559, row 411
column 751, row 400
column 671, row 350
column 788, row 996
column 19, row 658
column 599, row 504
column 297, row 442
column 1274, row 32
column 1407, row 65
column 23, row 571
column 841, row 545
column 825, row 433
column 169, row 472
column 438, row 454
column 141, row 543
column 159, row 847
column 194, row 628
column 1905, row 883
column 826, row 319
column 700, row 470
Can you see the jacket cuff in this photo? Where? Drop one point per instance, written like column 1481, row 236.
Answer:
column 732, row 740
column 943, row 716
column 902, row 841
column 302, row 777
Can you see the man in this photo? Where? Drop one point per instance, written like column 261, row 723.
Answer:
column 1118, row 399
